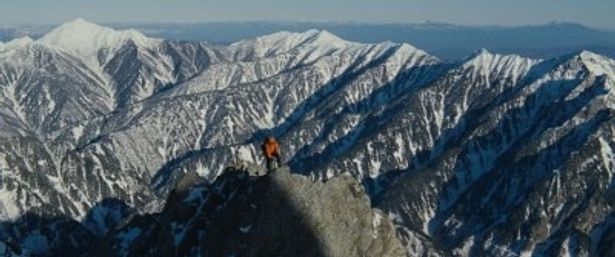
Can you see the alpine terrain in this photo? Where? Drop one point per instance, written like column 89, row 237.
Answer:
column 117, row 144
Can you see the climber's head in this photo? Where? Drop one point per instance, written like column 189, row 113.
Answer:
column 270, row 139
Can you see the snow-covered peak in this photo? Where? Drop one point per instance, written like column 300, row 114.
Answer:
column 85, row 39
column 408, row 47
column 479, row 57
column 482, row 59
column 598, row 64
column 326, row 38
column 285, row 41
column 412, row 50
column 484, row 62
column 294, row 39
column 15, row 43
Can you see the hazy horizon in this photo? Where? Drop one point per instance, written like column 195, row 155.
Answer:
column 125, row 24
column 590, row 13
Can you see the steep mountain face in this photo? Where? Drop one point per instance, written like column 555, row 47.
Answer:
column 279, row 214
column 529, row 172
column 495, row 155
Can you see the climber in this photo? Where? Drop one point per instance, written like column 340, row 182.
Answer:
column 271, row 149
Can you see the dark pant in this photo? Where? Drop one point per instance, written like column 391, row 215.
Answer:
column 270, row 166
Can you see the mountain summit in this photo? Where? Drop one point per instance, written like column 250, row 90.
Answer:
column 84, row 39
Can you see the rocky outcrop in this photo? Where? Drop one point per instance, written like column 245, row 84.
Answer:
column 8, row 248
column 279, row 214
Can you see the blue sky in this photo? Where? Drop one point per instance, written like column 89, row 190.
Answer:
column 594, row 13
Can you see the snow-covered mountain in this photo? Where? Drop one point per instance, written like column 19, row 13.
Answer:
column 495, row 155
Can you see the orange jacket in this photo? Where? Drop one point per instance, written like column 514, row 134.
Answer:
column 271, row 148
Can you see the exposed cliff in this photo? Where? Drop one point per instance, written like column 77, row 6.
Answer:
column 279, row 214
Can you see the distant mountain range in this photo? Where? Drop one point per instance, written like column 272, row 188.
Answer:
column 488, row 155
column 446, row 41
